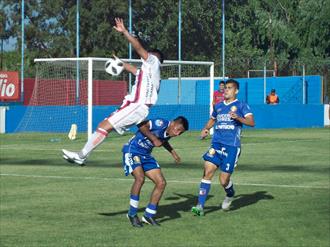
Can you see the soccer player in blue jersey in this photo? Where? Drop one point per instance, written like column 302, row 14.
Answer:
column 227, row 119
column 138, row 161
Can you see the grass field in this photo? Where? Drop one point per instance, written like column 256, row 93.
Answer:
column 282, row 194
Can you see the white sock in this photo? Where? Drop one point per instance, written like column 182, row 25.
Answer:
column 96, row 139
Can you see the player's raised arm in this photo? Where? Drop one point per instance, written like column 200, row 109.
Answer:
column 144, row 127
column 120, row 27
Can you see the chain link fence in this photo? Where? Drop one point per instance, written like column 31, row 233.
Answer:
column 258, row 67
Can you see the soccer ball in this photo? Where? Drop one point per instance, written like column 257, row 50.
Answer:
column 114, row 66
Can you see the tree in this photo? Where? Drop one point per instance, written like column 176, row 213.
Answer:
column 280, row 31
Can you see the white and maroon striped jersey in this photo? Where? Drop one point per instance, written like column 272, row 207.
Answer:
column 147, row 82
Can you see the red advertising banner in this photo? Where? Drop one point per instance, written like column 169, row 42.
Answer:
column 9, row 86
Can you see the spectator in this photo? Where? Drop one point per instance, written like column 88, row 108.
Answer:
column 272, row 98
column 219, row 95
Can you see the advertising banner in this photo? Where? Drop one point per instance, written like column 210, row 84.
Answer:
column 9, row 86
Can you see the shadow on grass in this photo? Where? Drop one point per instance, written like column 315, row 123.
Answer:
column 171, row 211
column 244, row 200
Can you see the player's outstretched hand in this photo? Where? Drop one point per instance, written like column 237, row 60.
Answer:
column 176, row 157
column 120, row 27
column 204, row 134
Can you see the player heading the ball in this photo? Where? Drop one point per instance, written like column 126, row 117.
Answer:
column 135, row 106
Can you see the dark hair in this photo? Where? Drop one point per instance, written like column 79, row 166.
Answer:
column 234, row 82
column 182, row 120
column 161, row 55
column 222, row 82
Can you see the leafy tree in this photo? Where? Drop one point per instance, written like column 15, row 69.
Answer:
column 279, row 31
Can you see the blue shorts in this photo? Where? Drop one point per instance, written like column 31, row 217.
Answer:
column 223, row 156
column 131, row 161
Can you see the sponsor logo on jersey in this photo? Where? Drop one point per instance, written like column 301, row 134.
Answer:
column 145, row 143
column 223, row 152
column 225, row 127
column 223, row 117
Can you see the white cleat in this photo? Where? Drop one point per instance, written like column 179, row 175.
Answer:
column 73, row 157
column 226, row 203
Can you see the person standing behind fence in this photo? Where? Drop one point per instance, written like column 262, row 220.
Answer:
column 272, row 98
column 219, row 95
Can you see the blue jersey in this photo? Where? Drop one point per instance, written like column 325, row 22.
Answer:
column 140, row 144
column 227, row 130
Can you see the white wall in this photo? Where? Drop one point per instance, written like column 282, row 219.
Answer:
column 327, row 115
column 3, row 119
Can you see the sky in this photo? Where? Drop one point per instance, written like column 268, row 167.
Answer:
column 9, row 45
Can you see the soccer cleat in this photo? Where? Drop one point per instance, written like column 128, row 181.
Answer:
column 135, row 221
column 198, row 211
column 226, row 203
column 73, row 157
column 149, row 221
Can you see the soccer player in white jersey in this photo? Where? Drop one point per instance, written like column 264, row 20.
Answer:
column 135, row 106
column 227, row 119
column 138, row 161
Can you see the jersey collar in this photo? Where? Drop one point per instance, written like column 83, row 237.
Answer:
column 230, row 102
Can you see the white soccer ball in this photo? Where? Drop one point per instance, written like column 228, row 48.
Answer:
column 114, row 66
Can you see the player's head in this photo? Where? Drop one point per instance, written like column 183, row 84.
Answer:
column 158, row 54
column 222, row 85
column 231, row 89
column 177, row 126
column 273, row 91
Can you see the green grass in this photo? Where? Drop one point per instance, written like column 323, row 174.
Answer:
column 282, row 193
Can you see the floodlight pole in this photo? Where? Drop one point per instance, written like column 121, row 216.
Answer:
column 129, row 44
column 179, row 51
column 223, row 39
column 77, row 51
column 22, row 52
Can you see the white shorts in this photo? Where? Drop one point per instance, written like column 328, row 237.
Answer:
column 127, row 116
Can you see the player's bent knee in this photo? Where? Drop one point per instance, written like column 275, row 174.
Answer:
column 224, row 181
column 139, row 180
column 208, row 175
column 161, row 184
column 106, row 125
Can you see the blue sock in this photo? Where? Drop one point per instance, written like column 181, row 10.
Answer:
column 230, row 189
column 203, row 191
column 151, row 210
column 133, row 205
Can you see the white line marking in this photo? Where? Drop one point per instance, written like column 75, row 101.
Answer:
column 26, row 147
column 170, row 181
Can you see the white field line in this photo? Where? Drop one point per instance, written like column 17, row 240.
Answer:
column 26, row 147
column 169, row 181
